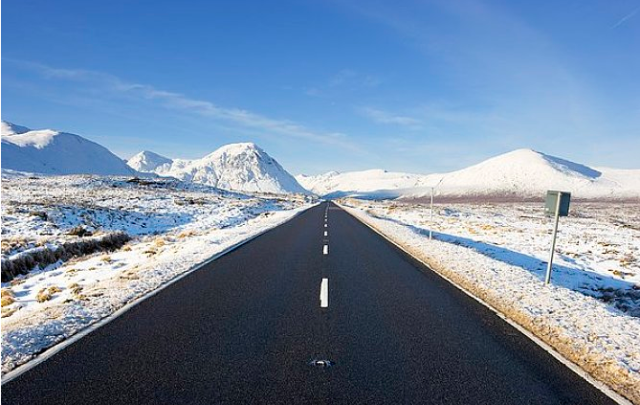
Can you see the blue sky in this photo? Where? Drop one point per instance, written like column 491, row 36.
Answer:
column 418, row 86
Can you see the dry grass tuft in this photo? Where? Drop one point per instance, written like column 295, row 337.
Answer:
column 106, row 259
column 6, row 312
column 186, row 234
column 6, row 301
column 54, row 289
column 7, row 297
column 43, row 295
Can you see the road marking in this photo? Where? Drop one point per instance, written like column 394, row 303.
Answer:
column 324, row 293
column 326, row 233
column 325, row 225
column 325, row 250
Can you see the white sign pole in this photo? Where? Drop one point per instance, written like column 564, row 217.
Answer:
column 431, row 215
column 547, row 278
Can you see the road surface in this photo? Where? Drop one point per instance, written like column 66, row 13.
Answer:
column 315, row 311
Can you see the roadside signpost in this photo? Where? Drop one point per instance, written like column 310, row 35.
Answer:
column 556, row 204
column 431, row 209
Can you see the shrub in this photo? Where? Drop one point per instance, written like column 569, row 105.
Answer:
column 79, row 231
column 44, row 256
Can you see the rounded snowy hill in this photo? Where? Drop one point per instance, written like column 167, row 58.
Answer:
column 148, row 162
column 528, row 173
column 372, row 183
column 240, row 167
column 52, row 152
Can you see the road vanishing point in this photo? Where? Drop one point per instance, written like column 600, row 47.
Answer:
column 319, row 310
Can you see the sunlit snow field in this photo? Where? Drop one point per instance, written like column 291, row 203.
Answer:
column 597, row 252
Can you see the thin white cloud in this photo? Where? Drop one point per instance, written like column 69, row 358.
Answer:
column 626, row 18
column 384, row 117
column 180, row 102
column 349, row 77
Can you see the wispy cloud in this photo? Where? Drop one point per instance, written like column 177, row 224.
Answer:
column 385, row 117
column 350, row 77
column 104, row 82
column 626, row 18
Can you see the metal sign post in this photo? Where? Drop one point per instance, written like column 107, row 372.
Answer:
column 557, row 204
column 431, row 215
column 431, row 210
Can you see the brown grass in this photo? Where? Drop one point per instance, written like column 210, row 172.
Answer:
column 43, row 295
column 45, row 256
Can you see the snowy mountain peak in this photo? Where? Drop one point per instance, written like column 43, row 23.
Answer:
column 530, row 159
column 9, row 128
column 147, row 161
column 51, row 152
column 238, row 166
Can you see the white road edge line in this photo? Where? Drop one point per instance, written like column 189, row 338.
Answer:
column 325, row 250
column 324, row 293
column 605, row 389
column 53, row 350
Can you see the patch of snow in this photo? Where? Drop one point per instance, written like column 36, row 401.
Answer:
column 8, row 128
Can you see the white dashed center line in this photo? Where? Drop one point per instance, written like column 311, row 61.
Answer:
column 325, row 250
column 324, row 293
column 326, row 233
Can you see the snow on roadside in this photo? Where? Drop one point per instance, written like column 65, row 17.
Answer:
column 175, row 226
column 592, row 333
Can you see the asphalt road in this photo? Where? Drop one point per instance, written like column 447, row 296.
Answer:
column 245, row 328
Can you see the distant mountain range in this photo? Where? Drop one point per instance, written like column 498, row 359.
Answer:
column 523, row 173
column 245, row 167
column 239, row 166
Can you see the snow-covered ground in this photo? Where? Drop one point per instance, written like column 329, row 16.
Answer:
column 174, row 226
column 590, row 313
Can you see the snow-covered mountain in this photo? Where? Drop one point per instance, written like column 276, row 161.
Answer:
column 52, row 152
column 148, row 162
column 240, row 167
column 372, row 183
column 520, row 173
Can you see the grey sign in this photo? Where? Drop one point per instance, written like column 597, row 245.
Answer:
column 551, row 203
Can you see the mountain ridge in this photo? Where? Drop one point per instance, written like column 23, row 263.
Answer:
column 53, row 152
column 238, row 166
column 522, row 172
